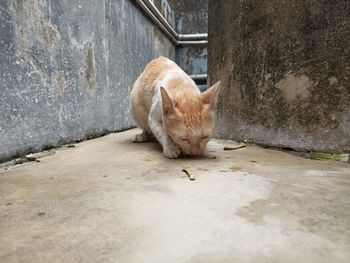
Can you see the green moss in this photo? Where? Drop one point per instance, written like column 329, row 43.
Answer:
column 341, row 157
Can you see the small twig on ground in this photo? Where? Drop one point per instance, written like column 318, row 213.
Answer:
column 189, row 174
column 229, row 148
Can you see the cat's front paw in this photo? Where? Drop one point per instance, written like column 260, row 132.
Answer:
column 172, row 151
column 142, row 137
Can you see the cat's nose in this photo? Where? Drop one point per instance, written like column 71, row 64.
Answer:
column 195, row 150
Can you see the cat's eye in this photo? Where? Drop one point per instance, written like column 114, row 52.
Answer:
column 205, row 137
column 185, row 140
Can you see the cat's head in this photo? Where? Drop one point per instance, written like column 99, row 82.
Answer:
column 190, row 120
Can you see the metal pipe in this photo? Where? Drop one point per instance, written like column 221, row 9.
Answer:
column 192, row 42
column 193, row 36
column 178, row 39
column 155, row 20
column 199, row 77
column 160, row 17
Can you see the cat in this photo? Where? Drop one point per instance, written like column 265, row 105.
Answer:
column 166, row 104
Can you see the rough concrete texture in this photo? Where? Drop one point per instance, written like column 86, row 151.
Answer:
column 191, row 17
column 109, row 200
column 192, row 59
column 285, row 71
column 67, row 67
column 166, row 8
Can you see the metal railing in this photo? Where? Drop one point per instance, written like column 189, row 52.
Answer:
column 177, row 39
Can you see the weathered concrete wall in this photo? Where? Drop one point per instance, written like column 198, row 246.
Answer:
column 285, row 70
column 166, row 8
column 67, row 68
column 191, row 17
column 192, row 59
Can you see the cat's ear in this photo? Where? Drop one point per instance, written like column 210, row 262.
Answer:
column 210, row 96
column 167, row 103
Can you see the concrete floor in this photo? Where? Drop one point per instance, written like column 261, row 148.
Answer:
column 109, row 200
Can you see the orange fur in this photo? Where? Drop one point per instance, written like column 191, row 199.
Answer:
column 166, row 103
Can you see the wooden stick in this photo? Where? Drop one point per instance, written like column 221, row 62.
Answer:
column 229, row 148
column 189, row 174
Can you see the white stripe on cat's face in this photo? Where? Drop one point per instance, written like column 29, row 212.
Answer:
column 173, row 75
column 166, row 79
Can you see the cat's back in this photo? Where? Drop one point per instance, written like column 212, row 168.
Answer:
column 161, row 72
column 159, row 65
column 157, row 69
column 158, row 72
column 152, row 74
column 166, row 73
column 144, row 87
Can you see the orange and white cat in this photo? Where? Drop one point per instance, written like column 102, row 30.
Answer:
column 166, row 104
